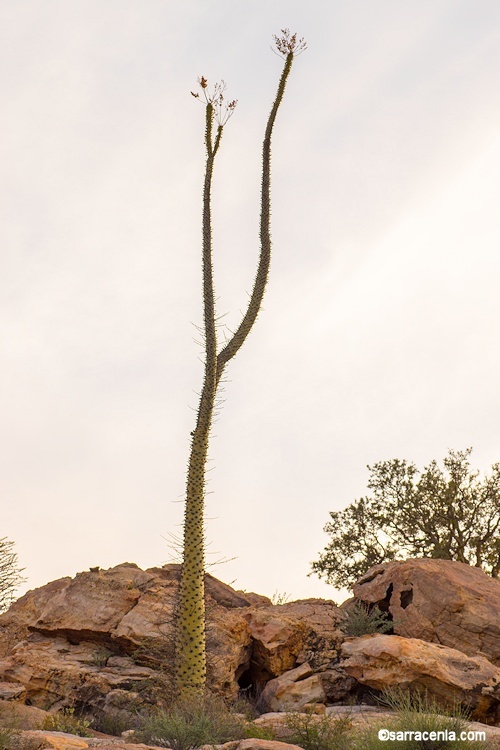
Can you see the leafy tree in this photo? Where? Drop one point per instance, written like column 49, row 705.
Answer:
column 190, row 637
column 447, row 513
column 10, row 573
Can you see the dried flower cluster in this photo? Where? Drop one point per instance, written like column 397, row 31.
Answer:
column 288, row 43
column 222, row 110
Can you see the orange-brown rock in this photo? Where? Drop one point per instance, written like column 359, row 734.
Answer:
column 440, row 601
column 44, row 740
column 41, row 740
column 293, row 690
column 12, row 691
column 252, row 744
column 361, row 718
column 290, row 634
column 386, row 661
column 74, row 641
column 84, row 639
column 16, row 714
column 57, row 674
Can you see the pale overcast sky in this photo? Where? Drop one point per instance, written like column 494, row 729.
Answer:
column 379, row 336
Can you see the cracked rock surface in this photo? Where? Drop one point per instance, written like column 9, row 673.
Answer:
column 75, row 640
column 387, row 661
column 440, row 601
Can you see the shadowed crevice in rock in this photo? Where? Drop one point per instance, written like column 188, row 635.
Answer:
column 76, row 637
column 382, row 602
column 253, row 676
column 118, row 646
column 385, row 603
column 406, row 598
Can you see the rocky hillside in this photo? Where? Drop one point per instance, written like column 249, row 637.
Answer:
column 103, row 641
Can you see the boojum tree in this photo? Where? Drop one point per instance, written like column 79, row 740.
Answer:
column 190, row 626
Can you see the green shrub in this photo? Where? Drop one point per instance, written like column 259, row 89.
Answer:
column 244, row 705
column 9, row 726
column 6, row 739
column 66, row 721
column 100, row 656
column 313, row 732
column 416, row 712
column 360, row 620
column 115, row 722
column 192, row 723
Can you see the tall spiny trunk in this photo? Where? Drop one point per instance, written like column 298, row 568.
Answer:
column 190, row 643
column 190, row 646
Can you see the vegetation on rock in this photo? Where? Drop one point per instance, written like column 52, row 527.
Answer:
column 6, row 738
column 10, row 573
column 439, row 513
column 417, row 713
column 361, row 619
column 195, row 721
column 67, row 721
column 312, row 732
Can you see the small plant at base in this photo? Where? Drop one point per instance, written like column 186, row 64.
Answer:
column 100, row 656
column 12, row 720
column 280, row 598
column 244, row 706
column 6, row 739
column 194, row 722
column 116, row 722
column 66, row 721
column 363, row 620
column 416, row 712
column 313, row 732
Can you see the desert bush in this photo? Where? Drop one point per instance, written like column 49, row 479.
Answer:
column 100, row 656
column 280, row 597
column 66, row 721
column 6, row 739
column 416, row 712
column 10, row 573
column 192, row 722
column 313, row 732
column 363, row 620
column 244, row 704
column 116, row 722
column 9, row 726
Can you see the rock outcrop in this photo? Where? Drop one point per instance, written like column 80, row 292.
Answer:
column 451, row 677
column 75, row 641
column 294, row 633
column 103, row 642
column 361, row 718
column 43, row 740
column 440, row 601
column 57, row 674
column 293, row 690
